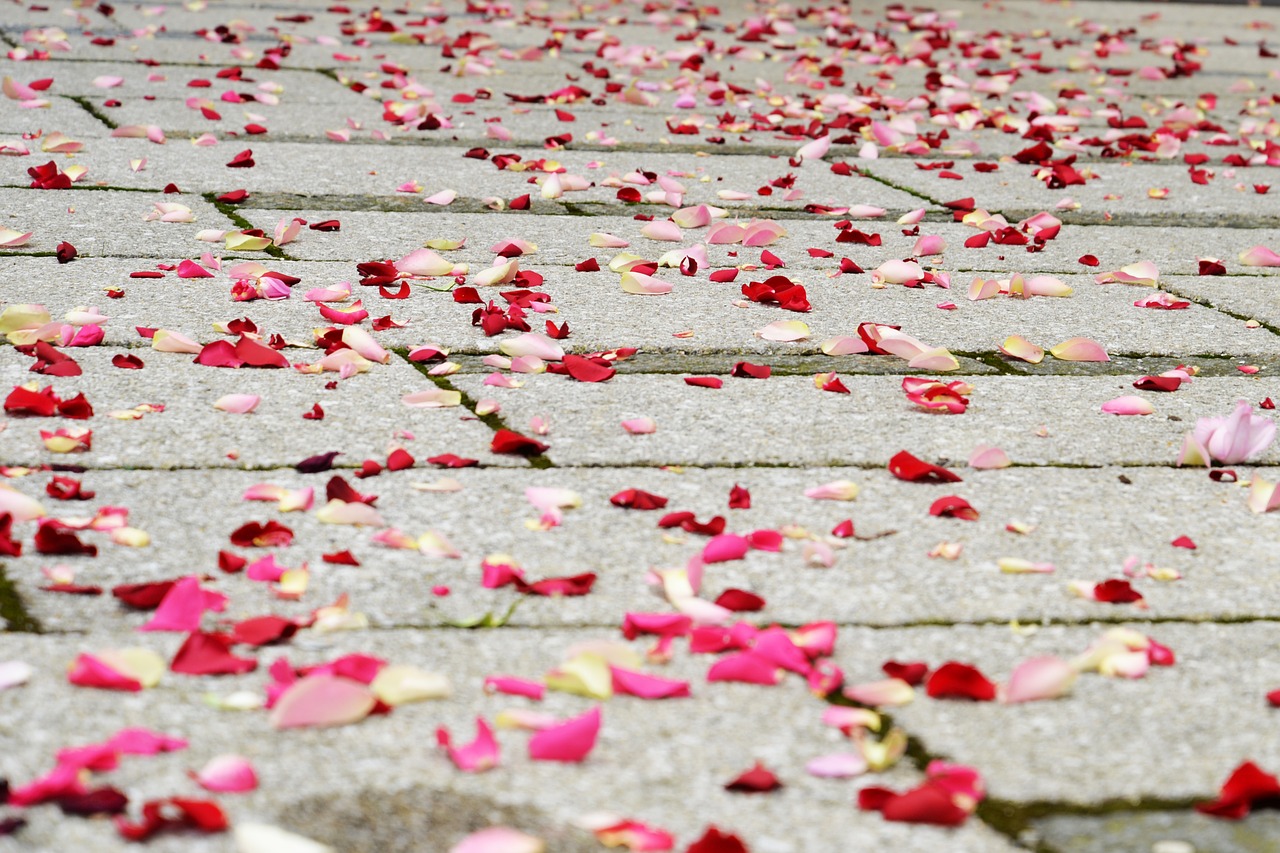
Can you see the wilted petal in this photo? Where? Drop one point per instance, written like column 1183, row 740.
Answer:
column 985, row 457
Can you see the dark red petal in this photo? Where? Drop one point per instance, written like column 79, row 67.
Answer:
column 740, row 601
column 925, row 804
column 715, row 841
column 261, row 630
column 955, row 680
column 587, row 370
column 209, row 654
column 506, row 441
column 904, row 466
column 757, row 780
column 1116, row 591
column 638, row 499
column 912, row 672
column 143, row 596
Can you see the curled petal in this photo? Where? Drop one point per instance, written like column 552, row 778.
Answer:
column 1079, row 349
column 1016, row 346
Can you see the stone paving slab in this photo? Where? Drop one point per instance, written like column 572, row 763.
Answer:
column 602, row 317
column 1117, row 765
column 1048, row 750
column 378, row 171
column 366, row 235
column 887, row 580
column 105, row 223
column 744, row 423
column 1120, row 190
column 652, row 762
column 362, row 415
column 61, row 114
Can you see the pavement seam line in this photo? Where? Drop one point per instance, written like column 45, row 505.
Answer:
column 492, row 420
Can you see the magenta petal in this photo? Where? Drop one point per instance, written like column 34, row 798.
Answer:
column 647, row 686
column 144, row 742
column 745, row 667
column 183, row 605
column 476, row 757
column 570, row 741
column 726, row 546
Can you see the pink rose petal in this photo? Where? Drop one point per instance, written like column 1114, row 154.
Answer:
column 322, row 700
column 1128, row 405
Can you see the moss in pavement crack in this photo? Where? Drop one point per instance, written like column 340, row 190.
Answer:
column 492, row 420
column 87, row 105
column 13, row 611
column 229, row 211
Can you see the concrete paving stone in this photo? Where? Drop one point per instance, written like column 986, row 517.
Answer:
column 383, row 784
column 599, row 319
column 378, row 170
column 1252, row 296
column 1111, row 737
column 105, row 223
column 365, row 235
column 171, row 82
column 362, row 415
column 1134, row 832
column 1013, row 191
column 189, row 306
column 296, row 116
column 752, row 421
column 62, row 115
column 886, row 580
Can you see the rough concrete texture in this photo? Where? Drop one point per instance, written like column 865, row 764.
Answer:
column 1156, row 126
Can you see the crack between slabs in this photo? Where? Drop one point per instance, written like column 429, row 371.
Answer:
column 493, row 420
column 1015, row 820
column 1205, row 303
column 544, row 462
column 230, row 212
column 85, row 104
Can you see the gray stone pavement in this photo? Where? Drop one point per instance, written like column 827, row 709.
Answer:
column 557, row 139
